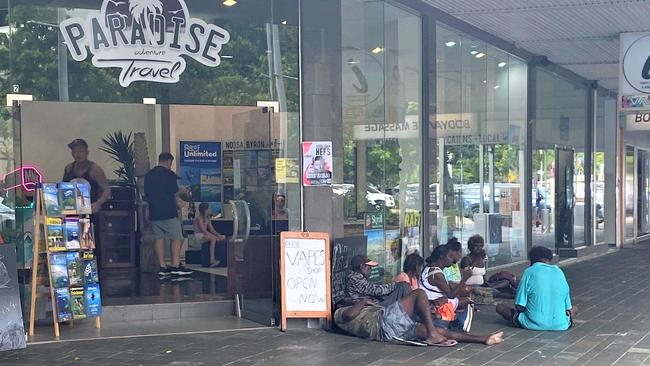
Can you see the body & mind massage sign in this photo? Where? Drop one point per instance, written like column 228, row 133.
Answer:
column 145, row 38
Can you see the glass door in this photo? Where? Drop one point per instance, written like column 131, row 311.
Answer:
column 564, row 199
column 252, row 273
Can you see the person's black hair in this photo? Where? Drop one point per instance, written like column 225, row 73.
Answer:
column 473, row 241
column 454, row 245
column 165, row 156
column 437, row 253
column 412, row 262
column 203, row 207
column 538, row 253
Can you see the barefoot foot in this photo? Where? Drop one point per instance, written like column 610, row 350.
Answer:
column 495, row 338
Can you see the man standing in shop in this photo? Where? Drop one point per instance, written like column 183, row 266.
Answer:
column 82, row 168
column 161, row 191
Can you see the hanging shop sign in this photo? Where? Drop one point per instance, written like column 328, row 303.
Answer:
column 634, row 76
column 637, row 121
column 144, row 38
column 317, row 162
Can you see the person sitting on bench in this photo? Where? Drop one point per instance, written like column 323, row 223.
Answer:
column 204, row 231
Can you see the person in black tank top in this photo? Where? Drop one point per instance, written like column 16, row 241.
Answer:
column 89, row 171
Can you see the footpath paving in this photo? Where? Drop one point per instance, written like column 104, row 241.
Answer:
column 613, row 328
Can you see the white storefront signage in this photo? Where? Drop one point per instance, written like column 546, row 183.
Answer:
column 637, row 121
column 407, row 129
column 634, row 76
column 454, row 124
column 145, row 38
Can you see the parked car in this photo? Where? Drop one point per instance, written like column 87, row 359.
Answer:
column 374, row 197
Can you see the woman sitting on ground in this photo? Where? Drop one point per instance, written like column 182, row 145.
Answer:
column 412, row 268
column 475, row 260
column 204, row 231
column 438, row 290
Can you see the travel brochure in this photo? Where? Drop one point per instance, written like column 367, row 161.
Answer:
column 76, row 285
column 63, row 309
column 75, row 269
column 93, row 300
column 55, row 241
column 63, row 234
column 70, row 243
column 67, row 198
column 78, row 301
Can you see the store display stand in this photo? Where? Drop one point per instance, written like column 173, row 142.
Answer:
column 41, row 235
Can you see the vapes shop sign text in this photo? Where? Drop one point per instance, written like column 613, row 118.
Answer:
column 147, row 39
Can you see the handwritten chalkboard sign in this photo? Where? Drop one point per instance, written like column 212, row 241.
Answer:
column 12, row 333
column 305, row 276
column 344, row 249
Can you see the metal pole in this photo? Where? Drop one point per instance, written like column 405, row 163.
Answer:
column 63, row 59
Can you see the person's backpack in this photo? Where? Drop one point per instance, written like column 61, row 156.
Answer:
column 504, row 281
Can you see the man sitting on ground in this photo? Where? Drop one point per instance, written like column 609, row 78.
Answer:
column 359, row 286
column 543, row 301
column 397, row 322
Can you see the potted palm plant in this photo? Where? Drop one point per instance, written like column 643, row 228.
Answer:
column 119, row 146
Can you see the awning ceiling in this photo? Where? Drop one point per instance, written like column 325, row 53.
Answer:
column 580, row 35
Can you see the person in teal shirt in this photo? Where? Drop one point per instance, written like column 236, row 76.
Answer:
column 543, row 300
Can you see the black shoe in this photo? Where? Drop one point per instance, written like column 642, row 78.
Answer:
column 180, row 271
column 164, row 271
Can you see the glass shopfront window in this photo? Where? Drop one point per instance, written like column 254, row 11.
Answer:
column 558, row 163
column 241, row 101
column 603, row 170
column 480, row 129
column 382, row 150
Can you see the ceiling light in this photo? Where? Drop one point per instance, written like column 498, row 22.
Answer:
column 353, row 62
column 473, row 52
column 479, row 55
column 502, row 64
column 229, row 2
column 450, row 43
column 377, row 50
column 226, row 56
column 284, row 22
column 484, row 81
column 497, row 86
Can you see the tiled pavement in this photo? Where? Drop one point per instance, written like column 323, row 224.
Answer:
column 612, row 291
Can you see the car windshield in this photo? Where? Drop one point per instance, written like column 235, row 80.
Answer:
column 373, row 189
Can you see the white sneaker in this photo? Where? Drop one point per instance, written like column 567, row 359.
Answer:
column 467, row 324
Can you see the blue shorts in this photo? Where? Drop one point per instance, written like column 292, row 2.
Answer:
column 167, row 229
column 394, row 322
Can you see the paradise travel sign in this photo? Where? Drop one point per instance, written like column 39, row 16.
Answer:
column 145, row 38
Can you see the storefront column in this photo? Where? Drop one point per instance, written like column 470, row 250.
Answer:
column 320, row 27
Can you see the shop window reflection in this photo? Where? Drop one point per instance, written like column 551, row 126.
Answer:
column 479, row 130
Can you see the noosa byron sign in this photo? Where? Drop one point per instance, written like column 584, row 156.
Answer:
column 635, row 64
column 145, row 38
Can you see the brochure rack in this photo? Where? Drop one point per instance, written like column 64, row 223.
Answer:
column 73, row 283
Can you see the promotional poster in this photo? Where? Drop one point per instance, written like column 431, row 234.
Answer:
column 200, row 171
column 317, row 163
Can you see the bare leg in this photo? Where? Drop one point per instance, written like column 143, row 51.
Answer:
column 176, row 252
column 213, row 244
column 505, row 311
column 159, row 248
column 490, row 340
column 416, row 303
